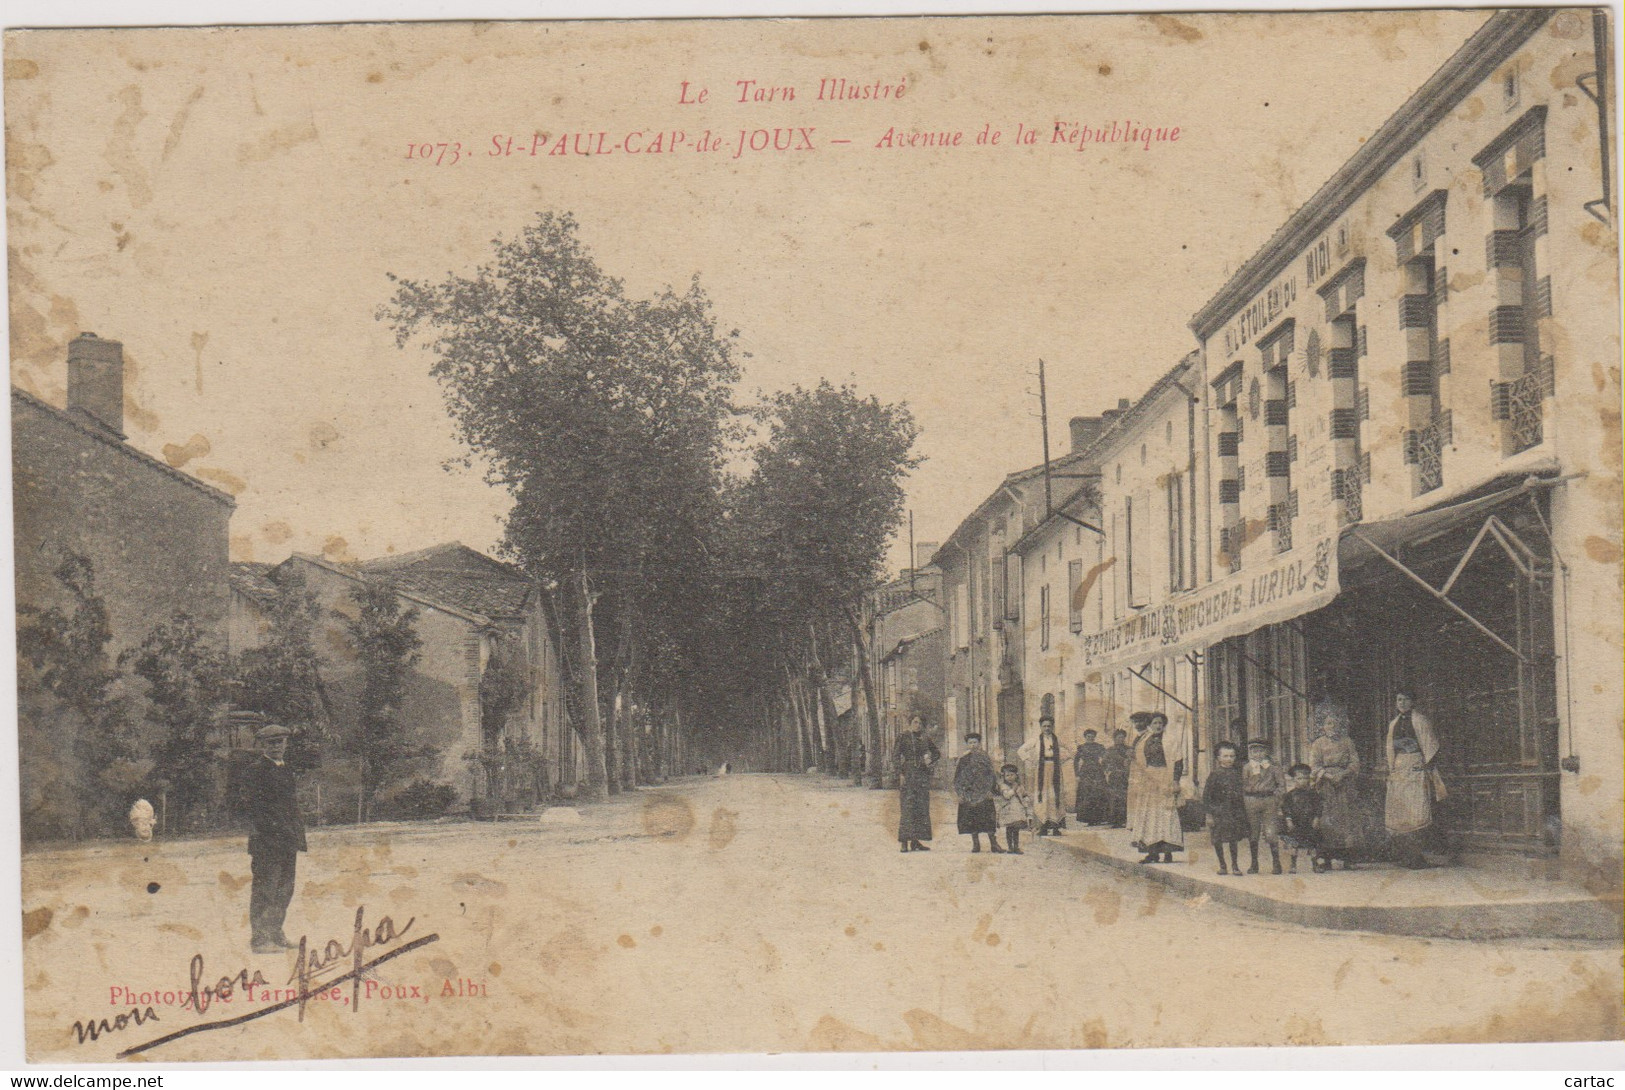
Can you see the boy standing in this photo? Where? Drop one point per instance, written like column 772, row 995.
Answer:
column 1300, row 821
column 1262, row 784
column 1226, row 807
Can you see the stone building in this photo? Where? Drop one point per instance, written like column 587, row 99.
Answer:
column 1413, row 418
column 156, row 540
column 987, row 634
column 1098, row 572
column 156, row 537
column 478, row 619
column 907, row 641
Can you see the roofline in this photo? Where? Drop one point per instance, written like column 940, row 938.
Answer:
column 391, row 561
column 1477, row 58
column 1131, row 416
column 1020, row 476
column 421, row 599
column 908, row 641
column 1024, row 542
column 19, row 394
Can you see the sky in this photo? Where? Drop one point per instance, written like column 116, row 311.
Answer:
column 229, row 203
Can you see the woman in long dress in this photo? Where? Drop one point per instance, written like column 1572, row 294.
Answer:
column 1334, row 765
column 916, row 756
column 1093, row 800
column 1412, row 746
column 1156, row 766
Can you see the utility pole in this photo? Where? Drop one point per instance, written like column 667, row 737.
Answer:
column 1043, row 418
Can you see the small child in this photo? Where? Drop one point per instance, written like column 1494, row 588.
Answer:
column 1015, row 807
column 1300, row 821
column 1262, row 784
column 1226, row 806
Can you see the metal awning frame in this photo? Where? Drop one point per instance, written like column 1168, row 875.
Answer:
column 1525, row 559
column 1161, row 690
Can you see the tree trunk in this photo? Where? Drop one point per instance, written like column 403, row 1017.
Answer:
column 630, row 753
column 860, row 648
column 822, row 705
column 798, row 709
column 592, row 734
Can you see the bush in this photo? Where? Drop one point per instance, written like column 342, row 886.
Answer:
column 423, row 799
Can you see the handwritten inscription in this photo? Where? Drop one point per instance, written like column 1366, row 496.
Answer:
column 314, row 962
column 135, row 1016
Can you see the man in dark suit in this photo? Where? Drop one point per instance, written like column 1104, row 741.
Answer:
column 275, row 839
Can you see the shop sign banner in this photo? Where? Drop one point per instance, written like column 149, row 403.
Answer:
column 1291, row 585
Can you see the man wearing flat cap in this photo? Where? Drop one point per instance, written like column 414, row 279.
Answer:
column 276, row 837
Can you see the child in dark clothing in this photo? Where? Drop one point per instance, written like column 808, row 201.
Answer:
column 1226, row 806
column 1300, row 821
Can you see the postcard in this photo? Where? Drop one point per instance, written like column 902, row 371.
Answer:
column 521, row 527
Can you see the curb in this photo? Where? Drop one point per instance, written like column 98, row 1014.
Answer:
column 1589, row 920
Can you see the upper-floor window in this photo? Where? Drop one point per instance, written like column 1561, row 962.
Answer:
column 1176, row 532
column 1074, row 595
column 1128, row 547
column 1043, row 617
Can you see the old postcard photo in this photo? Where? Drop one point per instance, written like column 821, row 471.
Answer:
column 817, row 535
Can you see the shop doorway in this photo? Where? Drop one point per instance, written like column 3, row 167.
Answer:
column 1483, row 670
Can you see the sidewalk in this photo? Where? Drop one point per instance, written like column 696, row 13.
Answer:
column 1501, row 898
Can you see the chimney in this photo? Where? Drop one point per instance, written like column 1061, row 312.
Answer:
column 1085, row 429
column 923, row 552
column 96, row 380
column 1110, row 415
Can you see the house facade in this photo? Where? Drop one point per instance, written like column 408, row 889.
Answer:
column 1100, row 572
column 1385, row 378
column 907, row 642
column 988, row 633
column 157, row 538
column 155, row 542
column 483, row 635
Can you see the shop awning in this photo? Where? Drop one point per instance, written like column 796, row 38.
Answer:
column 1381, row 540
column 1360, row 542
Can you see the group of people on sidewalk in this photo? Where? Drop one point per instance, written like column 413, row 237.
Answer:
column 1311, row 809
